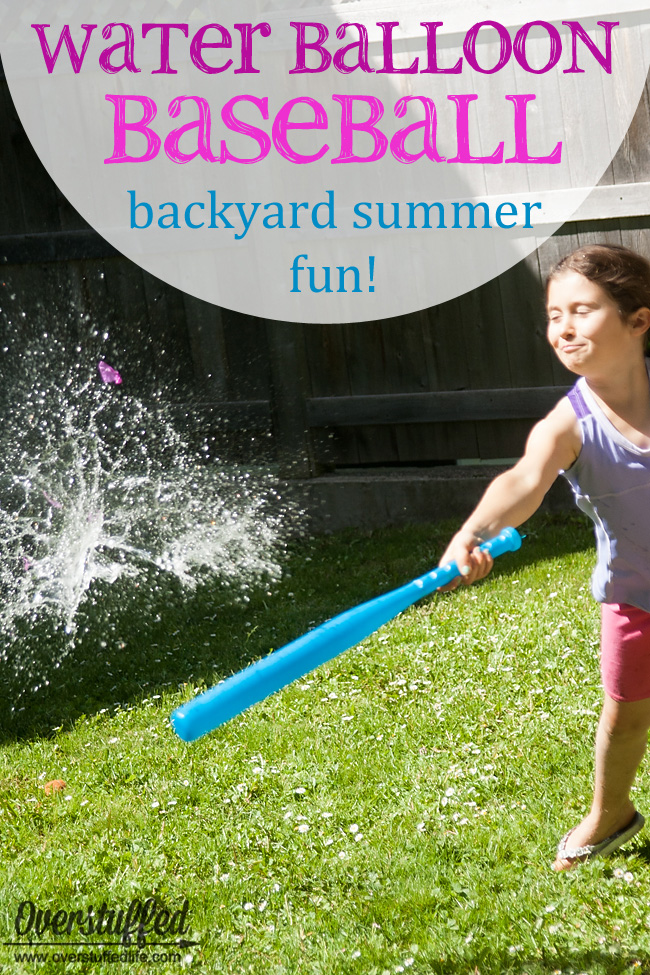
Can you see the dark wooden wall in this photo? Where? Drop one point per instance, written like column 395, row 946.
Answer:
column 462, row 380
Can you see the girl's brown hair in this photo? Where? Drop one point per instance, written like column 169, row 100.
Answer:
column 622, row 274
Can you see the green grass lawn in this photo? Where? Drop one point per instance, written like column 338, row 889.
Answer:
column 397, row 810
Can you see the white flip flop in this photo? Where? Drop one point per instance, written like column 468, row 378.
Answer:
column 609, row 845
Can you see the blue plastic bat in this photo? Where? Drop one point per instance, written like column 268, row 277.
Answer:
column 255, row 683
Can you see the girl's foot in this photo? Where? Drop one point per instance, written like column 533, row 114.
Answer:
column 591, row 838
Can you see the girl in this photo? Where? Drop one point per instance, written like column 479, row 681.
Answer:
column 598, row 437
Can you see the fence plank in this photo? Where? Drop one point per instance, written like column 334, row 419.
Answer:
column 206, row 340
column 288, row 405
column 367, row 355
column 441, row 407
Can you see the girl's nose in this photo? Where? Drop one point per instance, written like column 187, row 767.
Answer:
column 566, row 325
column 561, row 327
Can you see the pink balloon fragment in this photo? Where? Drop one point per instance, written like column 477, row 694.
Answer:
column 52, row 501
column 108, row 373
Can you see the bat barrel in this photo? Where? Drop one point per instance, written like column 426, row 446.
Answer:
column 214, row 707
column 268, row 675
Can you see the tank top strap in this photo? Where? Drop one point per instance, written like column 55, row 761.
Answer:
column 578, row 401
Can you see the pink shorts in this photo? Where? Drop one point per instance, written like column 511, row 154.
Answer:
column 625, row 651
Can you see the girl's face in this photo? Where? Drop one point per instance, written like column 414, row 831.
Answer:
column 585, row 328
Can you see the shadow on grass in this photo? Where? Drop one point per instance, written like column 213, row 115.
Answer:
column 641, row 852
column 594, row 962
column 137, row 639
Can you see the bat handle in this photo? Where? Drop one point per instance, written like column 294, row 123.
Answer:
column 508, row 540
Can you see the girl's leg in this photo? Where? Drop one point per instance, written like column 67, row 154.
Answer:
column 620, row 743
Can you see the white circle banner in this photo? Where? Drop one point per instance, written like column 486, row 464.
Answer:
column 325, row 162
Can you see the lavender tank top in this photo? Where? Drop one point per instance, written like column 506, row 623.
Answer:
column 611, row 483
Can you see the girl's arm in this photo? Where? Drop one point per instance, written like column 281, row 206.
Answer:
column 552, row 446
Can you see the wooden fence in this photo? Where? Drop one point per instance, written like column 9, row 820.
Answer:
column 461, row 381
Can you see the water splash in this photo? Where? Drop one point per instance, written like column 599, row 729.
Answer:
column 96, row 486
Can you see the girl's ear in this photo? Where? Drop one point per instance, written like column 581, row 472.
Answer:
column 640, row 320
